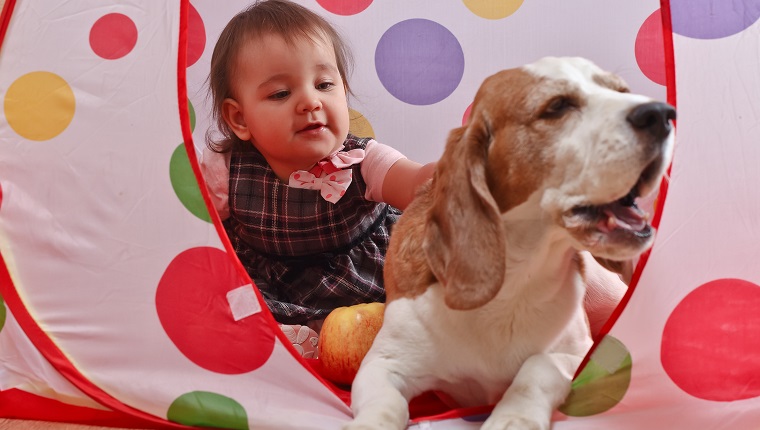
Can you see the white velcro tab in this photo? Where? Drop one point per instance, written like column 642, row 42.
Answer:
column 243, row 302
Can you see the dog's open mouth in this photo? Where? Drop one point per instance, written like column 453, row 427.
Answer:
column 619, row 220
column 622, row 215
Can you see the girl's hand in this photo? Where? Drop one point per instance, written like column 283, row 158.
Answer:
column 402, row 181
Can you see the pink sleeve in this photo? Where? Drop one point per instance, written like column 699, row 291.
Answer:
column 378, row 159
column 216, row 172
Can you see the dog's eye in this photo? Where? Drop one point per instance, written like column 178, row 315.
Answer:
column 557, row 107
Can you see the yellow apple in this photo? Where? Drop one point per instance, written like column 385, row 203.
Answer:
column 345, row 338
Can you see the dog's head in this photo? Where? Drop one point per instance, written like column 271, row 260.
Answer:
column 561, row 133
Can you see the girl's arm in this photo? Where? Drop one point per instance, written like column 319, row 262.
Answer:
column 402, row 181
column 216, row 173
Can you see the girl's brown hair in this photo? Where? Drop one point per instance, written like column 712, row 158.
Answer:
column 276, row 17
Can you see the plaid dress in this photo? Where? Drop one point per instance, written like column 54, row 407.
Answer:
column 307, row 256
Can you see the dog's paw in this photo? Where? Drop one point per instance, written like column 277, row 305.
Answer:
column 355, row 425
column 379, row 420
column 513, row 422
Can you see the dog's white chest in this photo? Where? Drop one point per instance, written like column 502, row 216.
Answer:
column 474, row 356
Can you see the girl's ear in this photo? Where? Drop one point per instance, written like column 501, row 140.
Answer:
column 233, row 116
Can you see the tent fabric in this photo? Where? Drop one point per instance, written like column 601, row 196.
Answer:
column 114, row 273
column 21, row 404
column 105, row 255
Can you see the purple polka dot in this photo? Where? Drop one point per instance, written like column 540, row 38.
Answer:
column 419, row 61
column 713, row 19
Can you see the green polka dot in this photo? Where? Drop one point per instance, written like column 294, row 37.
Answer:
column 2, row 312
column 185, row 186
column 204, row 409
column 191, row 110
column 602, row 384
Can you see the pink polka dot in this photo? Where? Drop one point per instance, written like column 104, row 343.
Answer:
column 113, row 36
column 650, row 49
column 192, row 306
column 196, row 36
column 711, row 341
column 345, row 7
column 466, row 115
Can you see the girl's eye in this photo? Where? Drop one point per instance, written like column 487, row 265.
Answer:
column 325, row 85
column 279, row 95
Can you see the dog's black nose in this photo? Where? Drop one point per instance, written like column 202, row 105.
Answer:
column 653, row 117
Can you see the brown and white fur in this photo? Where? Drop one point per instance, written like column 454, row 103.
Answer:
column 483, row 274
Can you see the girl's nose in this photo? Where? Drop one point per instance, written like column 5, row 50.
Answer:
column 309, row 102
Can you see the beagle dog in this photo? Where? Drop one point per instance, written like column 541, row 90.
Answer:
column 484, row 275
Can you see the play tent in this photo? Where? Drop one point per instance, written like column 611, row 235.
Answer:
column 115, row 276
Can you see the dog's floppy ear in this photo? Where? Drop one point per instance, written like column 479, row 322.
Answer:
column 464, row 239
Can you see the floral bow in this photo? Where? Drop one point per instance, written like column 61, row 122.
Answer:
column 330, row 175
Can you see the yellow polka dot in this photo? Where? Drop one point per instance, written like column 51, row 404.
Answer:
column 359, row 125
column 39, row 105
column 493, row 9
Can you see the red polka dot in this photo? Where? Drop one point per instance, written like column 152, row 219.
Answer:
column 113, row 36
column 466, row 115
column 650, row 49
column 332, row 178
column 342, row 193
column 192, row 306
column 296, row 176
column 196, row 36
column 711, row 341
column 1, row 195
column 345, row 7
column 328, row 196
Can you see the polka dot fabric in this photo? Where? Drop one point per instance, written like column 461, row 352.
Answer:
column 417, row 67
column 107, row 239
column 107, row 242
column 692, row 326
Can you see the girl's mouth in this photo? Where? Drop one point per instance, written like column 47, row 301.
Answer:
column 313, row 127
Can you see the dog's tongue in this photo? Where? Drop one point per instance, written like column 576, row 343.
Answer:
column 623, row 217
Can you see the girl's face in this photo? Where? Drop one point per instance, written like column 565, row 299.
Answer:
column 289, row 102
